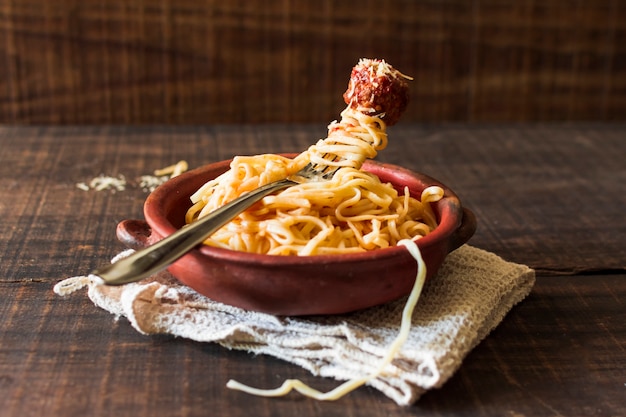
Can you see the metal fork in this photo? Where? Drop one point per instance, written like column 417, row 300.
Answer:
column 158, row 256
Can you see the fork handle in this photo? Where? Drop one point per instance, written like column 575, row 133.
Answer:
column 163, row 253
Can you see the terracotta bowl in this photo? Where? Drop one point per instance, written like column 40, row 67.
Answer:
column 299, row 285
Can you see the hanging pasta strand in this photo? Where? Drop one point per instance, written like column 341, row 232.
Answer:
column 392, row 351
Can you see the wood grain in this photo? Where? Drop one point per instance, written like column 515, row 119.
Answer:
column 550, row 196
column 201, row 62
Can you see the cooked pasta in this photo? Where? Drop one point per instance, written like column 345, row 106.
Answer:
column 353, row 211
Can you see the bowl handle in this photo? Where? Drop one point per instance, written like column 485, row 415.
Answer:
column 465, row 230
column 134, row 233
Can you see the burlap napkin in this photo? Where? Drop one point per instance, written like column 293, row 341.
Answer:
column 470, row 295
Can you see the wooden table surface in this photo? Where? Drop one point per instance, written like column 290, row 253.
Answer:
column 549, row 196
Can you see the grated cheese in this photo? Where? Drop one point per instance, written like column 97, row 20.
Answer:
column 147, row 183
column 104, row 182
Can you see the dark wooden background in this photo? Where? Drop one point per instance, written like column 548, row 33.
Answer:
column 236, row 61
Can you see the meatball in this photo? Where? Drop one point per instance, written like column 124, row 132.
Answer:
column 376, row 88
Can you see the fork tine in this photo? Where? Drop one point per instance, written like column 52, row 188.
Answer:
column 320, row 170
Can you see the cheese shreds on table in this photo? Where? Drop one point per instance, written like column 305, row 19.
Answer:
column 104, row 182
column 147, row 183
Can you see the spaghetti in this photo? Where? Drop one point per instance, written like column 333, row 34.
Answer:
column 354, row 211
